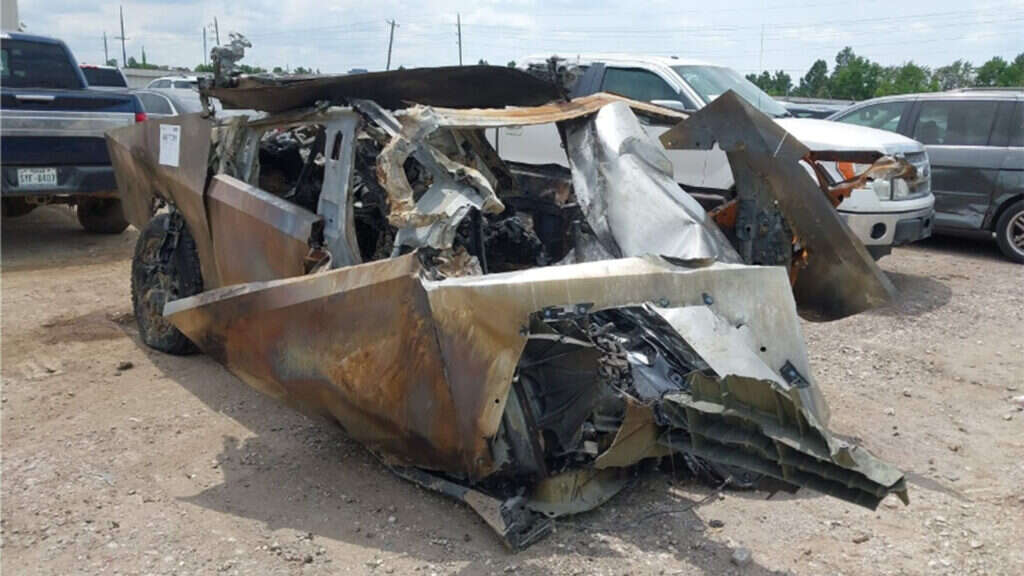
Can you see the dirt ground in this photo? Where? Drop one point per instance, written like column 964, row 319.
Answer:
column 173, row 466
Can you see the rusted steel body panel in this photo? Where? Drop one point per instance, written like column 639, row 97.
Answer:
column 377, row 334
column 257, row 236
column 142, row 178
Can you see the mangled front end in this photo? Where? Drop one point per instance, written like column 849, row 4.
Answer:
column 520, row 350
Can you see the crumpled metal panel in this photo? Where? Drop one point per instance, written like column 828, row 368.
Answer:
column 454, row 189
column 257, row 236
column 557, row 111
column 623, row 182
column 332, row 341
column 840, row 278
column 135, row 152
column 450, row 86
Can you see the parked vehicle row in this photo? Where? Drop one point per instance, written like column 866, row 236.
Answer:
column 882, row 213
column 52, row 133
column 975, row 141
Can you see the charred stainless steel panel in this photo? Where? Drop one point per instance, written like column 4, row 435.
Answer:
column 167, row 158
column 623, row 182
column 335, row 203
column 451, row 86
column 840, row 277
column 257, row 236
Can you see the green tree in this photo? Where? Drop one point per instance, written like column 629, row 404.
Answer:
column 302, row 70
column 815, row 84
column 854, row 77
column 959, row 74
column 991, row 72
column 999, row 72
column 905, row 79
column 112, row 62
column 778, row 84
column 203, row 68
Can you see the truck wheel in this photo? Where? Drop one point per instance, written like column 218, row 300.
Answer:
column 101, row 215
column 1010, row 232
column 165, row 267
column 16, row 206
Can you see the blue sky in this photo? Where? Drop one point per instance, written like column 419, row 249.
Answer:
column 746, row 35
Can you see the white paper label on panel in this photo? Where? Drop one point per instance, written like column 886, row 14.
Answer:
column 170, row 144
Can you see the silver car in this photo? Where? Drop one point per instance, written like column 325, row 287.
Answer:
column 975, row 140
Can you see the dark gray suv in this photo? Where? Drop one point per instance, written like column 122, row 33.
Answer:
column 975, row 141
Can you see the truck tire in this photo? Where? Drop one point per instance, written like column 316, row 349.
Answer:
column 16, row 206
column 101, row 215
column 1010, row 232
column 165, row 267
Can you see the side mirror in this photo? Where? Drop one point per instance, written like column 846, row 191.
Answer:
column 671, row 104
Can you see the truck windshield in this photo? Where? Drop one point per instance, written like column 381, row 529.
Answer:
column 37, row 65
column 710, row 82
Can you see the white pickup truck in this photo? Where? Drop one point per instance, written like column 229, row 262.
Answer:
column 882, row 214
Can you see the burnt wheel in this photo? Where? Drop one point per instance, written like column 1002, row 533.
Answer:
column 101, row 215
column 165, row 267
column 1010, row 232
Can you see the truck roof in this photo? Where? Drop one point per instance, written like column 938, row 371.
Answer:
column 30, row 38
column 585, row 58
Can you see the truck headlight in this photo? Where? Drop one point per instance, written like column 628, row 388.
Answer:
column 882, row 188
column 900, row 189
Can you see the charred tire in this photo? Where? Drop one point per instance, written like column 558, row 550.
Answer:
column 16, row 206
column 101, row 215
column 165, row 267
column 1010, row 232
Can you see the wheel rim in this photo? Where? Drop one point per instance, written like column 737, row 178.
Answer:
column 1015, row 233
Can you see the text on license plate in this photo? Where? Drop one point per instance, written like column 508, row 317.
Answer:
column 37, row 177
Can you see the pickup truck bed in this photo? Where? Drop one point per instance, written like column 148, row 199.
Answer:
column 52, row 132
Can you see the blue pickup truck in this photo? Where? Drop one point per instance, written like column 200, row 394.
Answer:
column 52, row 129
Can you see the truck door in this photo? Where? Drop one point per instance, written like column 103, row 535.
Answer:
column 693, row 169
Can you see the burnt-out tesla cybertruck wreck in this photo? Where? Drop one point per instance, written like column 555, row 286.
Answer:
column 519, row 342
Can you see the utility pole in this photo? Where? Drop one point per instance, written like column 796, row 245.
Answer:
column 124, row 53
column 106, row 56
column 205, row 52
column 391, row 41
column 216, row 30
column 458, row 25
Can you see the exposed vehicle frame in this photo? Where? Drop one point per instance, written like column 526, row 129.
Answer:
column 519, row 345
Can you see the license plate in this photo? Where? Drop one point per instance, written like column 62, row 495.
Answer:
column 37, row 177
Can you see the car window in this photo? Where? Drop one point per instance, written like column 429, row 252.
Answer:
column 184, row 84
column 161, row 84
column 1017, row 128
column 37, row 65
column 710, row 82
column 155, row 104
column 955, row 123
column 637, row 84
column 104, row 77
column 884, row 116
